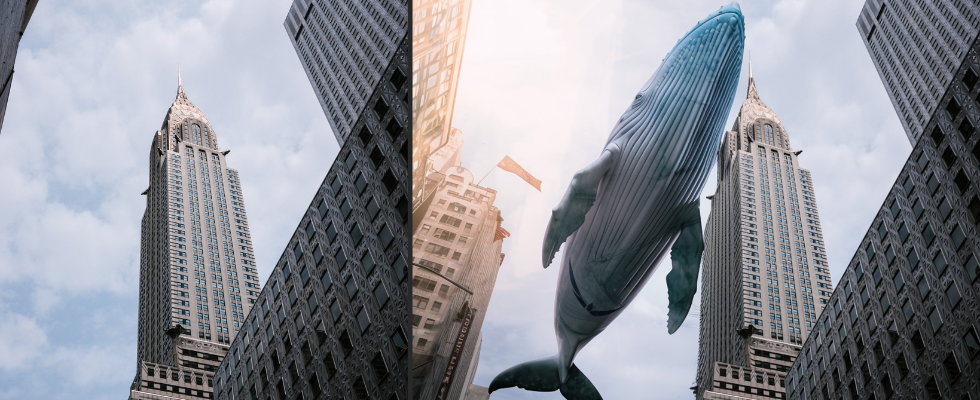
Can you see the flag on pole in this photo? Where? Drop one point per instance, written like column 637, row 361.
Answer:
column 509, row 165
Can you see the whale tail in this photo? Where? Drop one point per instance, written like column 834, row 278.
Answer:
column 542, row 376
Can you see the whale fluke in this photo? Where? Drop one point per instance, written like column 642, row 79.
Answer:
column 542, row 376
column 685, row 259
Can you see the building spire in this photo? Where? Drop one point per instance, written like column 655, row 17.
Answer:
column 751, row 93
column 180, row 84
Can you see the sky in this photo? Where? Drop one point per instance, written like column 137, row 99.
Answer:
column 93, row 82
column 544, row 81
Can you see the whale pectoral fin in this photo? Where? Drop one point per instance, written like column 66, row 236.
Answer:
column 569, row 215
column 685, row 258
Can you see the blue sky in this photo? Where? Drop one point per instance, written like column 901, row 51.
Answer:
column 93, row 81
column 544, row 81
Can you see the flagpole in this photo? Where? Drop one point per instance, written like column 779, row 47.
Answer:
column 485, row 176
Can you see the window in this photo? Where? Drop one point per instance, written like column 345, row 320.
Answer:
column 429, row 323
column 335, row 310
column 381, row 294
column 864, row 296
column 305, row 275
column 292, row 296
column 958, row 237
column 913, row 258
column 872, row 325
column 940, row 262
column 351, row 286
column 362, row 320
column 907, row 310
column 312, row 302
column 936, row 320
column 367, row 262
column 885, row 305
column 899, row 281
column 923, row 286
column 877, row 275
column 954, row 295
column 325, row 281
column 281, row 314
column 972, row 342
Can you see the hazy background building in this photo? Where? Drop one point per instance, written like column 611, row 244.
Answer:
column 197, row 268
column 917, row 47
column 333, row 320
column 438, row 37
column 904, row 319
column 765, row 276
column 456, row 256
column 14, row 16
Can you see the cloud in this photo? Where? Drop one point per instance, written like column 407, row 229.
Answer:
column 544, row 82
column 93, row 81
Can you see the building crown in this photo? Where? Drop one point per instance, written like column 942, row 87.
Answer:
column 184, row 122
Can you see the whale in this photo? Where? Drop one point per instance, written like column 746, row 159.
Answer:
column 638, row 201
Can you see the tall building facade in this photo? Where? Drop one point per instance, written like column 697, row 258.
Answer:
column 14, row 16
column 333, row 320
column 345, row 48
column 765, row 274
column 438, row 37
column 198, row 277
column 904, row 317
column 917, row 47
column 456, row 253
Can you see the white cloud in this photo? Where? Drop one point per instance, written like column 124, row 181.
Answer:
column 94, row 80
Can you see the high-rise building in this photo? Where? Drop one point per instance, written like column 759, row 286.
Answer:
column 765, row 274
column 345, row 48
column 456, row 257
column 438, row 37
column 333, row 320
column 197, row 269
column 917, row 47
column 903, row 322
column 14, row 16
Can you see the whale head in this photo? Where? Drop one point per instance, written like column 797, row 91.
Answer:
column 686, row 102
column 705, row 55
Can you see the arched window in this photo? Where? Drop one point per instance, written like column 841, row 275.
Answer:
column 769, row 135
column 196, row 134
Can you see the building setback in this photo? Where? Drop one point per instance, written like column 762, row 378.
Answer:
column 904, row 320
column 14, row 16
column 438, row 38
column 196, row 258
column 765, row 277
column 333, row 321
column 456, row 252
column 917, row 47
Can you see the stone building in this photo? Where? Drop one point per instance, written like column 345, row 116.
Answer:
column 765, row 274
column 14, row 16
column 456, row 257
column 198, row 277
column 333, row 320
column 904, row 317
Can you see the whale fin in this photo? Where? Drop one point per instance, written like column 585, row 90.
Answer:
column 542, row 376
column 685, row 258
column 569, row 215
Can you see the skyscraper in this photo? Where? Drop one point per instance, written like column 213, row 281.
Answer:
column 904, row 320
column 765, row 274
column 333, row 319
column 456, row 257
column 14, row 16
column 917, row 47
column 345, row 49
column 196, row 256
column 438, row 38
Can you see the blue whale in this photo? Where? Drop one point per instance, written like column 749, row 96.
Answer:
column 622, row 213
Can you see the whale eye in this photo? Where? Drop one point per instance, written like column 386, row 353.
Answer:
column 638, row 96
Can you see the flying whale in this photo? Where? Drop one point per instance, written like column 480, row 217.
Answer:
column 624, row 211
